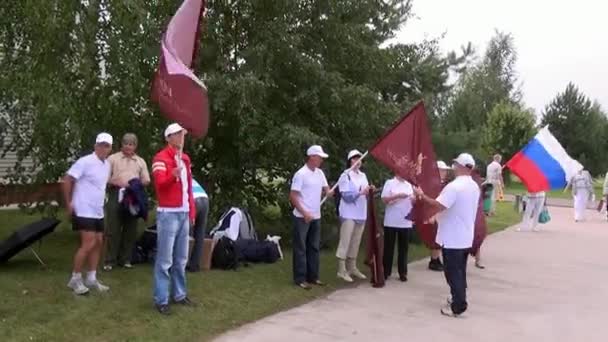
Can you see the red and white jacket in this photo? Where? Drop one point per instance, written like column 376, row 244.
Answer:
column 168, row 187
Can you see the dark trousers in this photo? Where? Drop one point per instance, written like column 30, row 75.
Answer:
column 402, row 236
column 198, row 231
column 306, row 240
column 121, row 231
column 455, row 268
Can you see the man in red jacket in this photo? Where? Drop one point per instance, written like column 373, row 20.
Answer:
column 171, row 170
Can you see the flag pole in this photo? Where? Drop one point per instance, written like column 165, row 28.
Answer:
column 349, row 169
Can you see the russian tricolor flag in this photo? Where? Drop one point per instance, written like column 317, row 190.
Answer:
column 543, row 164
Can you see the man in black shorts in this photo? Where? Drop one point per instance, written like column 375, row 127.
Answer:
column 84, row 188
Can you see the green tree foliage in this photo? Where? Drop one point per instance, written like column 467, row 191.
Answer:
column 580, row 126
column 508, row 129
column 281, row 75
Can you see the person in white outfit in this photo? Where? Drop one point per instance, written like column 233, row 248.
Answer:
column 352, row 210
column 535, row 202
column 582, row 191
column 398, row 195
column 494, row 177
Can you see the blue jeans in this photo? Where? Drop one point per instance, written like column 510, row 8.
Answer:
column 171, row 256
column 306, row 240
column 455, row 269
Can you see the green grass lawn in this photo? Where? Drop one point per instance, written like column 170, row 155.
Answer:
column 517, row 188
column 36, row 305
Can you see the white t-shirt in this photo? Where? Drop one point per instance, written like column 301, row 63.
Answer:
column 354, row 181
column 456, row 224
column 309, row 185
column 91, row 175
column 396, row 212
column 493, row 172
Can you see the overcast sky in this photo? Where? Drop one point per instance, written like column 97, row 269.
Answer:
column 557, row 41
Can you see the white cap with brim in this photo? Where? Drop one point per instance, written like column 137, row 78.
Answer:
column 172, row 129
column 466, row 160
column 316, row 150
column 354, row 153
column 104, row 138
column 441, row 165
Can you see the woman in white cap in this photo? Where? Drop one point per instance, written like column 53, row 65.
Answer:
column 352, row 210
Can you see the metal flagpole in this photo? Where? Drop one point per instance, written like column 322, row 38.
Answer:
column 336, row 185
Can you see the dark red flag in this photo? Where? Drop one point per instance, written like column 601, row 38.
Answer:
column 375, row 245
column 481, row 228
column 181, row 96
column 407, row 149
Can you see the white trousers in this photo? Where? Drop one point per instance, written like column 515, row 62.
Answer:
column 350, row 239
column 581, row 201
column 534, row 206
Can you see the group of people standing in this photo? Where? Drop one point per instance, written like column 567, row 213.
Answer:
column 182, row 204
column 457, row 206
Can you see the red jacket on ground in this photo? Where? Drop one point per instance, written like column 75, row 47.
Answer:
column 168, row 187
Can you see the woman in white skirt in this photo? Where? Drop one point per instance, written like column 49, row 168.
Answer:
column 354, row 187
column 535, row 203
column 582, row 192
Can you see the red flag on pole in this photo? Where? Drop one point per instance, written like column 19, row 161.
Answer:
column 407, row 149
column 375, row 245
column 181, row 96
column 481, row 228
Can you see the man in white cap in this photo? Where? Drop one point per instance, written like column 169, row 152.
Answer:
column 457, row 202
column 171, row 169
column 435, row 263
column 84, row 189
column 307, row 187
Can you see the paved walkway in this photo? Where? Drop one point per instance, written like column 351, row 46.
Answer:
column 538, row 286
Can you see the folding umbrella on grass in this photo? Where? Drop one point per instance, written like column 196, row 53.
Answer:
column 25, row 237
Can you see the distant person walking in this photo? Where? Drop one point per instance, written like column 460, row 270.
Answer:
column 494, row 177
column 535, row 202
column 457, row 203
column 84, row 189
column 582, row 192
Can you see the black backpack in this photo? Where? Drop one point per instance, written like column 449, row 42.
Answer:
column 225, row 255
column 258, row 251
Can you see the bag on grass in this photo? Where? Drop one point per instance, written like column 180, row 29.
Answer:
column 225, row 254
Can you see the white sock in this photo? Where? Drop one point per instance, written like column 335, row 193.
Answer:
column 92, row 276
column 76, row 275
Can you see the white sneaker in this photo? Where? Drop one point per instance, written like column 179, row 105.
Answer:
column 355, row 272
column 447, row 311
column 97, row 285
column 344, row 276
column 78, row 287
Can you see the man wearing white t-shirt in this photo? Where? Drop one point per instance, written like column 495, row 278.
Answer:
column 398, row 195
column 457, row 204
column 307, row 187
column 84, row 189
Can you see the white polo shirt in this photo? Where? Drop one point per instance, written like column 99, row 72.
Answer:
column 91, row 175
column 456, row 224
column 309, row 185
column 353, row 181
column 395, row 213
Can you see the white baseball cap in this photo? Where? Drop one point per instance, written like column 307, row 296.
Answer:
column 354, row 153
column 466, row 160
column 172, row 129
column 441, row 165
column 103, row 138
column 316, row 150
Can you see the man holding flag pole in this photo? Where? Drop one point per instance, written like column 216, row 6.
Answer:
column 182, row 98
